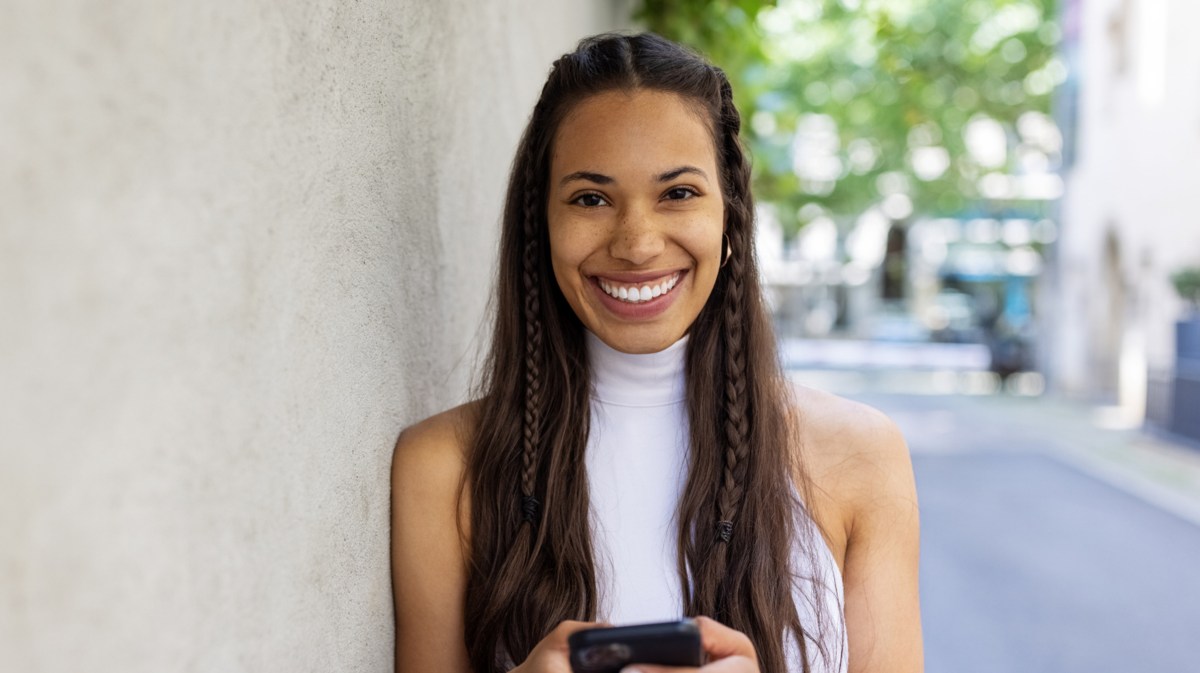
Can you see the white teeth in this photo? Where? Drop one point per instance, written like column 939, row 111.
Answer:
column 637, row 294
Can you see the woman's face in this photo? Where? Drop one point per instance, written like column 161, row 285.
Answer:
column 635, row 216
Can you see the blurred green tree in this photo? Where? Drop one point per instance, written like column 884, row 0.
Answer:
column 1187, row 284
column 941, row 105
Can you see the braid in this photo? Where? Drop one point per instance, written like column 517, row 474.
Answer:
column 533, row 347
column 737, row 422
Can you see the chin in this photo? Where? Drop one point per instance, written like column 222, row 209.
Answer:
column 647, row 341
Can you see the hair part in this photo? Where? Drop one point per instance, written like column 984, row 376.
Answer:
column 531, row 561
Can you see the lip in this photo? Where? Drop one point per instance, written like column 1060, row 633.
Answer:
column 645, row 310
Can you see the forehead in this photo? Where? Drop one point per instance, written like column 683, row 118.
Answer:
column 630, row 131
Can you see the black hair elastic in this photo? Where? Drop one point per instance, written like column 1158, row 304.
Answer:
column 725, row 530
column 529, row 508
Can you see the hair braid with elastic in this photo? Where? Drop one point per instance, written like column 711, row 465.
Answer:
column 533, row 346
column 736, row 430
column 736, row 423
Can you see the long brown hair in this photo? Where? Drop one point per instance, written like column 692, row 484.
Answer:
column 531, row 557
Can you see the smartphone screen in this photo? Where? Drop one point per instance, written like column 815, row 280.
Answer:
column 608, row 650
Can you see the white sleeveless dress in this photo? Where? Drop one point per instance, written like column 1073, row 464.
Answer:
column 637, row 463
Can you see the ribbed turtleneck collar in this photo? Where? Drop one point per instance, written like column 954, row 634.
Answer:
column 649, row 380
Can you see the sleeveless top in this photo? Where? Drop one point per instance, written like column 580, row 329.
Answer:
column 637, row 457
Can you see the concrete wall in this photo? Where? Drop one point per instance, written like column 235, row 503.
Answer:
column 1130, row 212
column 241, row 245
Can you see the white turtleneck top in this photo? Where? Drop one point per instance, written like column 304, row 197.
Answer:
column 637, row 457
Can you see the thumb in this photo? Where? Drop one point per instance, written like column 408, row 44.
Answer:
column 721, row 642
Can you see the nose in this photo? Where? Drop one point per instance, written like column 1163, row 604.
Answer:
column 637, row 238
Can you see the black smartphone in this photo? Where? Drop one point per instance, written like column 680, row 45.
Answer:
column 608, row 650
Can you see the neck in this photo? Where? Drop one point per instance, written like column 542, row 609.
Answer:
column 648, row 379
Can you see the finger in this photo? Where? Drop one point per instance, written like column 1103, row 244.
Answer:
column 734, row 664
column 720, row 641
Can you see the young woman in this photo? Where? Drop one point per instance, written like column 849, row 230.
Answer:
column 635, row 453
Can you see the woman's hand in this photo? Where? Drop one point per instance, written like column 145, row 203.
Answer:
column 727, row 650
column 551, row 654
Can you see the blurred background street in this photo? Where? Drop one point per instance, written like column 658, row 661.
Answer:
column 1049, row 543
column 1034, row 558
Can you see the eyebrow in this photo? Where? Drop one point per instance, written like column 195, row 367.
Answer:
column 676, row 172
column 586, row 175
column 601, row 179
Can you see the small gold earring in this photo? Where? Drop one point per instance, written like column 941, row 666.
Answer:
column 726, row 250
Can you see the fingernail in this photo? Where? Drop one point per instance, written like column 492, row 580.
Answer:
column 631, row 669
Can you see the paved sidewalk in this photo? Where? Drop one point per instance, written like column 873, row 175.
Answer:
column 1154, row 466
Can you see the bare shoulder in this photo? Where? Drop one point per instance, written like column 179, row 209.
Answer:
column 428, row 465
column 867, row 506
column 433, row 452
column 429, row 541
column 856, row 458
column 845, row 437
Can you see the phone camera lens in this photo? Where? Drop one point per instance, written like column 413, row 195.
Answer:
column 602, row 657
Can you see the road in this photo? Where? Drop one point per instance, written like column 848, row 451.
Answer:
column 1032, row 564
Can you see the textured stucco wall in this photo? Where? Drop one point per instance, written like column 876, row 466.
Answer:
column 241, row 245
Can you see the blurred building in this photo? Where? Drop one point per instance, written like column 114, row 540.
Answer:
column 1131, row 213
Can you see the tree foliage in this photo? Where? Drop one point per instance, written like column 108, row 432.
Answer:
column 1187, row 284
column 851, row 101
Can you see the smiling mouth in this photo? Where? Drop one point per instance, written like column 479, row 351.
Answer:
column 639, row 293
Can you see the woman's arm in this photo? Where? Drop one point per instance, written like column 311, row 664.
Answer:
column 429, row 556
column 883, row 616
column 864, row 498
column 428, row 562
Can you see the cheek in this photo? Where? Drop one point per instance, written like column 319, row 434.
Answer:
column 705, row 241
column 705, row 245
column 706, row 279
column 566, row 254
column 561, row 271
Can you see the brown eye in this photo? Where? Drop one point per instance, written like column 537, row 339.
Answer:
column 590, row 200
column 680, row 193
